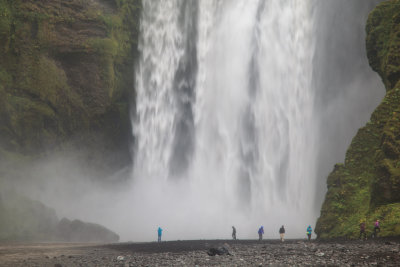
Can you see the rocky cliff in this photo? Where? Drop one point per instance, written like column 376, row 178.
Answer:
column 66, row 82
column 367, row 186
column 66, row 77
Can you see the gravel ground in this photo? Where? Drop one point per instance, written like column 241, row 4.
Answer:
column 381, row 252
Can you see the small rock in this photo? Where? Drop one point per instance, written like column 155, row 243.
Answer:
column 218, row 251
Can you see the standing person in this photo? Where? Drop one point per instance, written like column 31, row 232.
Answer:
column 362, row 231
column 233, row 232
column 377, row 228
column 282, row 233
column 260, row 233
column 159, row 234
column 309, row 232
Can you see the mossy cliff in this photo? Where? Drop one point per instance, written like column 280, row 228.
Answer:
column 367, row 186
column 66, row 77
column 66, row 81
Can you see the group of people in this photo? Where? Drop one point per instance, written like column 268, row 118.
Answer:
column 282, row 232
column 377, row 229
column 261, row 232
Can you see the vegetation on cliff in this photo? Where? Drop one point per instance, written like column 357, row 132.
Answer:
column 66, row 81
column 66, row 72
column 367, row 186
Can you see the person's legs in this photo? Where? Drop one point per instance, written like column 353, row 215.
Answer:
column 309, row 237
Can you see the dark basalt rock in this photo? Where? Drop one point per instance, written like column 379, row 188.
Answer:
column 218, row 251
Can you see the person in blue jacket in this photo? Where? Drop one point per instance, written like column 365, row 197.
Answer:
column 159, row 234
column 309, row 231
column 260, row 233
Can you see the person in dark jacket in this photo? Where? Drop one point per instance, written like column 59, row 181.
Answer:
column 282, row 233
column 233, row 232
column 362, row 231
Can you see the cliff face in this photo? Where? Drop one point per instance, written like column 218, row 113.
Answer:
column 66, row 81
column 66, row 77
column 367, row 186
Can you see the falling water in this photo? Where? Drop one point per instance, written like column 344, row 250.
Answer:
column 224, row 118
column 242, row 109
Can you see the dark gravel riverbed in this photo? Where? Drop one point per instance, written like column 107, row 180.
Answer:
column 381, row 252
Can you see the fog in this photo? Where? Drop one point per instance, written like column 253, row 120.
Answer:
column 237, row 122
column 348, row 90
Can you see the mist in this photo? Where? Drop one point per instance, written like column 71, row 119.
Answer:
column 237, row 122
column 348, row 90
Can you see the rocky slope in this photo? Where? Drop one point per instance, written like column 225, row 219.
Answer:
column 367, row 186
column 66, row 70
column 25, row 220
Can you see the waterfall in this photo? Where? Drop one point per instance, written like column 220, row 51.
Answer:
column 241, row 110
column 226, row 127
column 224, row 120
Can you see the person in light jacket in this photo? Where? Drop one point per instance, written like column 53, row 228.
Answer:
column 309, row 232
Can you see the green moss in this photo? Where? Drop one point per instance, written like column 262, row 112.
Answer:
column 367, row 186
column 66, row 82
column 383, row 41
column 389, row 216
column 5, row 22
column 102, row 46
column 41, row 71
